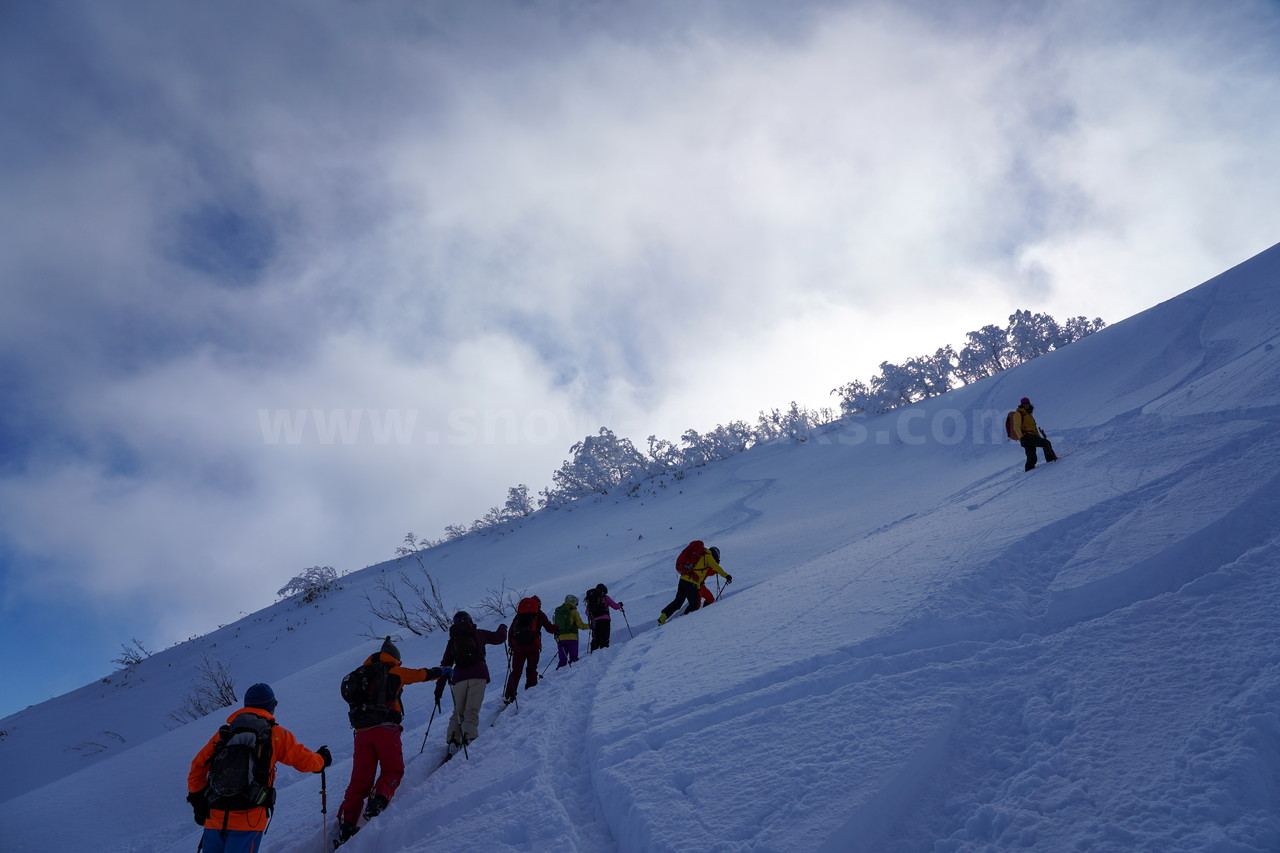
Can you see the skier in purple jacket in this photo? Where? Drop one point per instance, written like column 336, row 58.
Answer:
column 465, row 653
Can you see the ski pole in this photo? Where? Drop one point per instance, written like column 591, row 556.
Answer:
column 324, row 809
column 726, row 586
column 511, row 670
column 513, row 673
column 628, row 621
column 428, row 731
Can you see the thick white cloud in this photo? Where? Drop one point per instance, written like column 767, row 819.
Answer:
column 510, row 225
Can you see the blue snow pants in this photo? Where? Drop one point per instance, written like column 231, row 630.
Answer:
column 236, row 841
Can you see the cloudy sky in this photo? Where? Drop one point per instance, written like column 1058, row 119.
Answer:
column 281, row 282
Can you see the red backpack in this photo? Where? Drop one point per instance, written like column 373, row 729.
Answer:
column 689, row 557
column 1011, row 427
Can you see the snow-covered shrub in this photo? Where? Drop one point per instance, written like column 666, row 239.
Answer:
column 311, row 584
column 793, row 424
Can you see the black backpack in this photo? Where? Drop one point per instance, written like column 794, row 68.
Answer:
column 524, row 629
column 240, row 767
column 466, row 648
column 370, row 691
column 596, row 605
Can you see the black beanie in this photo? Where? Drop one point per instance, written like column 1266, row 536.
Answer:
column 389, row 648
column 261, row 696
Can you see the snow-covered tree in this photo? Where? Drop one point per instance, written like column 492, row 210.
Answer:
column 986, row 354
column 1032, row 335
column 796, row 423
column 665, row 457
column 855, row 398
column 600, row 463
column 1078, row 327
column 519, row 504
column 723, row 442
column 493, row 518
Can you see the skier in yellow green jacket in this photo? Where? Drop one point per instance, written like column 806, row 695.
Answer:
column 568, row 622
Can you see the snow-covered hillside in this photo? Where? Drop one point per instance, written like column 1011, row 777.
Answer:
column 925, row 649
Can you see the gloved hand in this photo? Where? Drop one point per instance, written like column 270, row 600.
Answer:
column 446, row 672
column 324, row 753
column 728, row 578
column 200, row 805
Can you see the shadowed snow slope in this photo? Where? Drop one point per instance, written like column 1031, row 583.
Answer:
column 924, row 649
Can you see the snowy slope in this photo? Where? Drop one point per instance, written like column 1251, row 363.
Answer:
column 924, row 647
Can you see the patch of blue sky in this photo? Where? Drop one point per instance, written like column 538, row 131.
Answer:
column 232, row 244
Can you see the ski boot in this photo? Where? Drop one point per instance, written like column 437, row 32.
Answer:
column 375, row 806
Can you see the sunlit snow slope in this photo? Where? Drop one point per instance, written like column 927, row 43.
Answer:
column 924, row 649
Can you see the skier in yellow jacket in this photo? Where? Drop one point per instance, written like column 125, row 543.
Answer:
column 694, row 564
column 1028, row 434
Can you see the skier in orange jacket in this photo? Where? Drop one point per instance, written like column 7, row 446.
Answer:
column 239, row 823
column 377, row 762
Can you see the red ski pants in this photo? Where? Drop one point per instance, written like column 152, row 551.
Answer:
column 378, row 745
column 526, row 658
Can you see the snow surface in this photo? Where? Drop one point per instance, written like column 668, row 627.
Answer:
column 924, row 649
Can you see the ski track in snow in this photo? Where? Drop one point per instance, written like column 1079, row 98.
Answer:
column 535, row 794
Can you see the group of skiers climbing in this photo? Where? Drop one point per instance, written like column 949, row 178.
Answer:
column 230, row 782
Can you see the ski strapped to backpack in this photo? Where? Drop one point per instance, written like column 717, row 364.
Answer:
column 240, row 767
column 368, row 692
